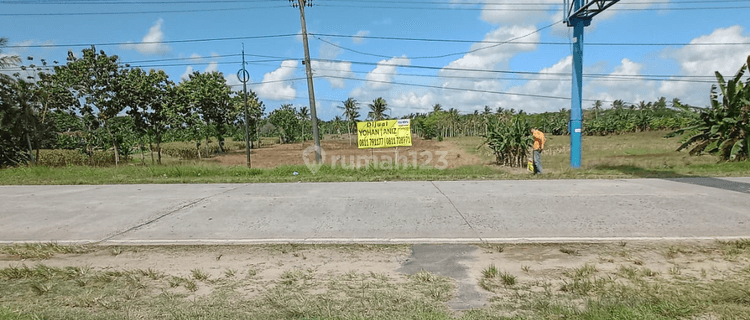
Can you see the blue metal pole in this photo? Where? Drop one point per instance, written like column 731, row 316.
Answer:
column 576, row 94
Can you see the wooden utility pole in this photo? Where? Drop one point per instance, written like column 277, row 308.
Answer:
column 308, row 67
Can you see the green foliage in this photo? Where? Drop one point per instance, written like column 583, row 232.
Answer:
column 724, row 128
column 255, row 111
column 509, row 141
column 187, row 151
column 6, row 61
column 378, row 109
column 152, row 101
column 209, row 94
column 351, row 114
column 65, row 158
column 553, row 123
column 286, row 121
column 12, row 129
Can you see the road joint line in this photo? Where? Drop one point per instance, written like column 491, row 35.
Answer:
column 170, row 212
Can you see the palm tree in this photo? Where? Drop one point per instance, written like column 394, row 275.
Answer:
column 378, row 107
column 337, row 121
column 7, row 61
column 304, row 115
column 351, row 113
column 618, row 104
column 597, row 108
column 437, row 108
column 676, row 104
column 453, row 119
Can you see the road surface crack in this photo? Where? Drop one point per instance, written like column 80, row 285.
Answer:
column 184, row 206
column 459, row 211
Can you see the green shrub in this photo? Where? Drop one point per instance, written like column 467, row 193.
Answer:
column 188, row 150
column 63, row 158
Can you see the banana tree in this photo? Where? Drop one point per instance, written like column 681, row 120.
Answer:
column 723, row 128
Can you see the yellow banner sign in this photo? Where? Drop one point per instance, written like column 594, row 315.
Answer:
column 384, row 134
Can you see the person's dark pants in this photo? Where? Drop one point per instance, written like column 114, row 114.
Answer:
column 537, row 161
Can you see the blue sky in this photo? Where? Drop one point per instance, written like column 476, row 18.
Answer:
column 353, row 60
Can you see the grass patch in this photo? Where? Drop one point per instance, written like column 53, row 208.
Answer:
column 634, row 155
column 588, row 291
column 569, row 251
column 41, row 250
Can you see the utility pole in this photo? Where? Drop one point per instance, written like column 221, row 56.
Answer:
column 578, row 15
column 308, row 68
column 244, row 76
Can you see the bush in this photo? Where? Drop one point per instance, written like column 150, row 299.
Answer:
column 509, row 141
column 188, row 151
column 63, row 158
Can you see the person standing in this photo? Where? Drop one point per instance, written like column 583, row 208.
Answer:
column 539, row 141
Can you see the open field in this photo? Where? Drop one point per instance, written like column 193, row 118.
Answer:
column 638, row 280
column 636, row 155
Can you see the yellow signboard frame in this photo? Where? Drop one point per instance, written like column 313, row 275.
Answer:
column 384, row 134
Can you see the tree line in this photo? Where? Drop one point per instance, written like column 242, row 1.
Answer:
column 94, row 103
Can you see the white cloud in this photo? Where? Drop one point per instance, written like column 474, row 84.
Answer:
column 561, row 29
column 496, row 12
column 186, row 75
column 412, row 102
column 379, row 78
column 152, row 42
column 234, row 82
column 329, row 51
column 213, row 66
column 332, row 71
column 704, row 60
column 274, row 86
column 630, row 86
column 487, row 56
column 196, row 58
column 358, row 38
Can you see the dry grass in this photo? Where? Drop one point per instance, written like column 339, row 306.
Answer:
column 598, row 283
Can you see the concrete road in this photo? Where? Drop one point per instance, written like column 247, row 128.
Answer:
column 382, row 212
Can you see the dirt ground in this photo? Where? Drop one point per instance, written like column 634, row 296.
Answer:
column 338, row 150
column 536, row 267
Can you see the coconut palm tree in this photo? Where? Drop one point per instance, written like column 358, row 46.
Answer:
column 597, row 108
column 378, row 107
column 351, row 113
column 304, row 116
column 7, row 61
column 437, row 108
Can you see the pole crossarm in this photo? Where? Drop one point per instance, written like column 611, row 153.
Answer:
column 588, row 10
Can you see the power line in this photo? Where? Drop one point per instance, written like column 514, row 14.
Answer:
column 152, row 42
column 532, row 42
column 450, row 88
column 655, row 77
column 359, row 6
column 200, row 63
column 487, row 3
column 136, row 2
column 134, row 12
column 449, row 54
column 323, row 71
column 503, row 71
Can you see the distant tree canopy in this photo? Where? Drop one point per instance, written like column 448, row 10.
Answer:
column 94, row 103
